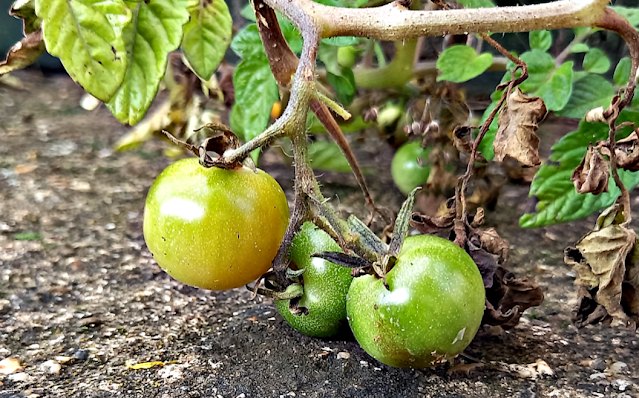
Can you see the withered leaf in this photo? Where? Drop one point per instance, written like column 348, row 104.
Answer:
column 485, row 261
column 592, row 174
column 495, row 244
column 600, row 259
column 509, row 297
column 626, row 152
column 439, row 179
column 431, row 224
column 518, row 122
column 23, row 53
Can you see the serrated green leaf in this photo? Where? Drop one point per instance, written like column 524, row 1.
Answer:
column 87, row 37
column 596, row 61
column 540, row 40
column 255, row 93
column 155, row 30
column 477, row 3
column 558, row 200
column 247, row 42
column 631, row 14
column 556, row 91
column 460, row 63
column 248, row 13
column 579, row 48
column 540, row 65
column 588, row 93
column 622, row 71
column 207, row 36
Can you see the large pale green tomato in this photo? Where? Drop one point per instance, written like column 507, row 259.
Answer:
column 407, row 173
column 213, row 228
column 431, row 311
column 325, row 286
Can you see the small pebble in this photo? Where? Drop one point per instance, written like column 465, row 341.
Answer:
column 597, row 376
column 82, row 355
column 18, row 377
column 343, row 355
column 598, row 364
column 617, row 368
column 51, row 367
column 620, row 384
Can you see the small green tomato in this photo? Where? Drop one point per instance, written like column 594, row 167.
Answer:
column 325, row 286
column 405, row 169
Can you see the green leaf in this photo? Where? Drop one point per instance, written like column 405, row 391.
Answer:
column 460, row 63
column 207, row 36
column 556, row 91
column 87, row 37
column 631, row 14
column 341, row 41
column 344, row 85
column 155, row 31
column 486, row 145
column 248, row 13
column 477, row 3
column 540, row 65
column 247, row 42
column 255, row 93
column 596, row 61
column 588, row 93
column 622, row 71
column 540, row 40
column 328, row 156
column 579, row 48
column 558, row 200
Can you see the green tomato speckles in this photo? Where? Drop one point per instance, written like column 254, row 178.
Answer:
column 431, row 311
column 213, row 228
column 325, row 286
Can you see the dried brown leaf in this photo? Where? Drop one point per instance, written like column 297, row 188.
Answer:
column 606, row 264
column 485, row 261
column 431, row 224
column 464, row 368
column 518, row 122
column 626, row 152
column 23, row 53
column 495, row 244
column 592, row 174
column 439, row 179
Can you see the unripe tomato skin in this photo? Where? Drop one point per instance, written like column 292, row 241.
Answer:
column 325, row 286
column 213, row 228
column 431, row 311
column 407, row 173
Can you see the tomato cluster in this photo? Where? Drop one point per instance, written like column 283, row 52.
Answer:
column 221, row 229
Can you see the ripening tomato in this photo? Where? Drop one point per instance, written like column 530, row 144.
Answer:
column 325, row 286
column 407, row 173
column 430, row 312
column 213, row 228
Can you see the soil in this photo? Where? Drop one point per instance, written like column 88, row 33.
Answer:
column 79, row 289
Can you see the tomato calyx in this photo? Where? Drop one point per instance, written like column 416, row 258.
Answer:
column 221, row 140
column 377, row 258
column 292, row 292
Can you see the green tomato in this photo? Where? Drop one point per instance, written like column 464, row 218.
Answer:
column 213, row 228
column 346, row 56
column 430, row 312
column 325, row 286
column 406, row 171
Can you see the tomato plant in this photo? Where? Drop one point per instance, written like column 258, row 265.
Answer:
column 321, row 311
column 406, row 169
column 430, row 311
column 214, row 228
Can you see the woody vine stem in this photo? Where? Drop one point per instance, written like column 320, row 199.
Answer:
column 396, row 22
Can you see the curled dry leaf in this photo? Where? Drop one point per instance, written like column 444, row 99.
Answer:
column 518, row 122
column 592, row 174
column 485, row 261
column 495, row 244
column 23, row 53
column 464, row 143
column 509, row 297
column 607, row 264
column 440, row 178
column 626, row 152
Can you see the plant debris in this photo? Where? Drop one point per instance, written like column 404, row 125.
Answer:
column 592, row 174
